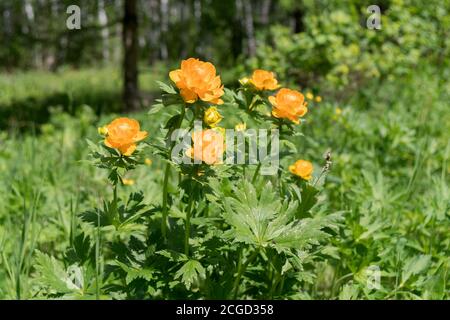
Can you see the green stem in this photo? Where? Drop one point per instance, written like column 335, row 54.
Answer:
column 241, row 270
column 97, row 260
column 164, row 202
column 188, row 226
column 115, row 209
column 255, row 175
column 188, row 218
column 166, row 179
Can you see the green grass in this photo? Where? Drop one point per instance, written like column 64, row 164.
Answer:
column 390, row 175
column 26, row 97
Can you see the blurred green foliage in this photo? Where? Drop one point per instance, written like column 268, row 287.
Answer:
column 337, row 52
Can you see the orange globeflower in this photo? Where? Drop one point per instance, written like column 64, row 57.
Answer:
column 198, row 80
column 208, row 146
column 123, row 134
column 288, row 104
column 302, row 169
column 264, row 80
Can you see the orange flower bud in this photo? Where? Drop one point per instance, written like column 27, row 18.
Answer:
column 123, row 134
column 128, row 182
column 288, row 104
column 198, row 80
column 302, row 169
column 240, row 126
column 212, row 117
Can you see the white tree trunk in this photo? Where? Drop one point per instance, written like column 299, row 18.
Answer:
column 249, row 28
column 164, row 28
column 103, row 20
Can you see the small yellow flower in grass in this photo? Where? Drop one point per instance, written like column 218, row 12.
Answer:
column 240, row 126
column 309, row 96
column 302, row 169
column 123, row 135
column 338, row 111
column 103, row 131
column 318, row 99
column 148, row 162
column 212, row 117
column 244, row 81
column 128, row 182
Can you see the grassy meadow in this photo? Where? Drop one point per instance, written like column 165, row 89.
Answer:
column 390, row 148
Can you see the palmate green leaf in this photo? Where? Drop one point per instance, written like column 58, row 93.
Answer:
column 166, row 88
column 54, row 276
column 134, row 273
column 414, row 266
column 80, row 250
column 307, row 197
column 155, row 108
column 190, row 272
column 263, row 220
column 172, row 255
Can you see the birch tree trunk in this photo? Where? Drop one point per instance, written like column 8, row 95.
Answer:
column 103, row 21
column 249, row 28
column 198, row 19
column 164, row 28
column 130, row 65
column 29, row 13
column 265, row 11
column 237, row 33
column 153, row 34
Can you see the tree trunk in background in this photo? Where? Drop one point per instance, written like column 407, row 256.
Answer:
column 297, row 17
column 265, row 12
column 130, row 65
column 152, row 10
column 103, row 20
column 249, row 28
column 164, row 28
column 237, row 34
column 117, row 50
column 185, row 15
column 198, row 20
column 29, row 12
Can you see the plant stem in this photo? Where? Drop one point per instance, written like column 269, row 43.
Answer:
column 241, row 270
column 97, row 260
column 255, row 175
column 188, row 217
column 164, row 202
column 116, row 211
column 188, row 226
column 166, row 179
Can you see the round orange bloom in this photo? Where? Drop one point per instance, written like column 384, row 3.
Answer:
column 288, row 104
column 123, row 134
column 302, row 169
column 198, row 80
column 208, row 146
column 264, row 80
